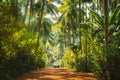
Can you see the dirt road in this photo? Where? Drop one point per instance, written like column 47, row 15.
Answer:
column 56, row 74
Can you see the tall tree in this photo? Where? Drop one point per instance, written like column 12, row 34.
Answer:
column 106, row 37
column 106, row 22
column 79, row 23
column 42, row 8
column 40, row 21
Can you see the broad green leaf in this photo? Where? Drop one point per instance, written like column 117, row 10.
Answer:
column 114, row 16
column 97, row 17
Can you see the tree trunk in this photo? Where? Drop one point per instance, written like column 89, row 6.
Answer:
column 106, row 38
column 39, row 26
column 86, row 51
column 106, row 22
column 79, row 21
column 26, row 8
column 30, row 16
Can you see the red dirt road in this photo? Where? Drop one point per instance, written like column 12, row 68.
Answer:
column 56, row 74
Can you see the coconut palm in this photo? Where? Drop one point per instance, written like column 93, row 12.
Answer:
column 40, row 9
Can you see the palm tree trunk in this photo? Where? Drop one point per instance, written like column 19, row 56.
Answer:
column 79, row 21
column 98, row 6
column 86, row 56
column 26, row 8
column 29, row 26
column 106, row 38
column 39, row 26
column 106, row 22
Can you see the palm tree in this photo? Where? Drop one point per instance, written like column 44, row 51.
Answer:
column 41, row 8
column 69, row 20
column 36, row 17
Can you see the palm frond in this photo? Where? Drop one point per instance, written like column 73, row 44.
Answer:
column 51, row 8
column 97, row 18
column 62, row 17
column 47, row 26
column 96, row 28
column 90, row 23
column 112, row 18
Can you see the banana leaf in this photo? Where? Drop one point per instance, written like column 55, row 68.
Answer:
column 97, row 18
column 114, row 16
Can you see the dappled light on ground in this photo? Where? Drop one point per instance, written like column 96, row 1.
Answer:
column 56, row 74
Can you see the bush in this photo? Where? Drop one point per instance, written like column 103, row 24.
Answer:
column 68, row 60
column 18, row 59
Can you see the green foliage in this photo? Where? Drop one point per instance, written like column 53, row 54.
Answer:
column 110, row 60
column 113, row 61
column 68, row 59
column 18, row 56
column 113, row 18
column 19, row 53
column 93, row 57
column 97, row 18
column 8, row 23
column 19, row 59
column 114, row 55
column 17, row 46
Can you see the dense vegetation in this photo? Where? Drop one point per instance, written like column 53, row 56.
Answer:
column 17, row 45
column 81, row 34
